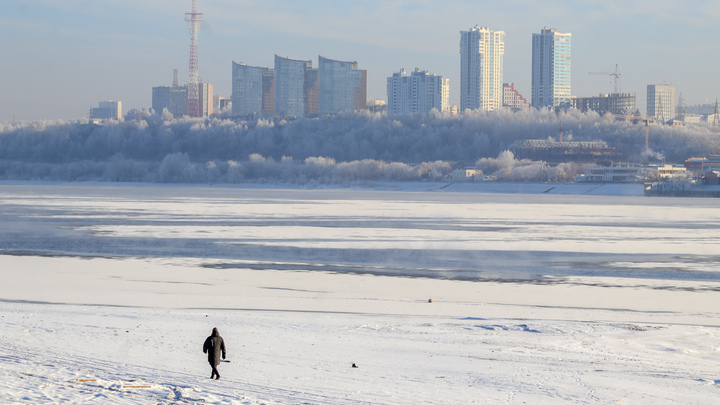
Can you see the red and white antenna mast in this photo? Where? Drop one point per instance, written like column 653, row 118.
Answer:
column 194, row 19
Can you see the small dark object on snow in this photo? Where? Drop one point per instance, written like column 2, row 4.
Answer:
column 430, row 300
column 354, row 366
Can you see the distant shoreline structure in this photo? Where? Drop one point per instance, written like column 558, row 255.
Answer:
column 670, row 189
column 520, row 188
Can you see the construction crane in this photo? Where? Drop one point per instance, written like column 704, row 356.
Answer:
column 616, row 75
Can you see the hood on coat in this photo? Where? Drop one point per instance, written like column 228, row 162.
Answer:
column 215, row 332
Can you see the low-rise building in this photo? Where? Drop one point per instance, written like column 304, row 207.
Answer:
column 466, row 174
column 631, row 174
column 711, row 178
column 669, row 172
column 597, row 152
column 611, row 174
column 697, row 164
column 689, row 118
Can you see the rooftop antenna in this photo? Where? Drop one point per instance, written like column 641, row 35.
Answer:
column 194, row 19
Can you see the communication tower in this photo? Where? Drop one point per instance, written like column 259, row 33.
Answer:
column 193, row 19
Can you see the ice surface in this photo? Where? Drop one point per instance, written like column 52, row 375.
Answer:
column 558, row 297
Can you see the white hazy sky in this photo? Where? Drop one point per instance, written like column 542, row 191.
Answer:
column 59, row 58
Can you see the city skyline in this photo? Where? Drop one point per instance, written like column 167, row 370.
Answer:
column 65, row 57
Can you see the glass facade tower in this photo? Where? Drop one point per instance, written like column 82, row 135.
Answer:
column 342, row 86
column 551, row 62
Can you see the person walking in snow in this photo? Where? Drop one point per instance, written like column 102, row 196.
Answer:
column 214, row 346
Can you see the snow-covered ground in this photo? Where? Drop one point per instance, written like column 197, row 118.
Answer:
column 539, row 295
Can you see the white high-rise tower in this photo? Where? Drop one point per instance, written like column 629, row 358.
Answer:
column 417, row 92
column 661, row 101
column 481, row 68
column 551, row 68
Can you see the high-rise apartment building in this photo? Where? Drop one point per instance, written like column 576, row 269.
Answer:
column 661, row 101
column 310, row 92
column 551, row 57
column 291, row 90
column 342, row 86
column 173, row 98
column 417, row 92
column 481, row 68
column 513, row 99
column 219, row 103
column 108, row 110
column 205, row 92
column 253, row 90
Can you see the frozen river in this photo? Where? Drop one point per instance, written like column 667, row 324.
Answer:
column 432, row 234
column 554, row 294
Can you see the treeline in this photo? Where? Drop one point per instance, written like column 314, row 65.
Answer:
column 347, row 147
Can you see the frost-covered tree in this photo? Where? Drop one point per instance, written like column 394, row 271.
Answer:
column 158, row 147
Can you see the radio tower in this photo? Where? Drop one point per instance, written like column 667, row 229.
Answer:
column 193, row 19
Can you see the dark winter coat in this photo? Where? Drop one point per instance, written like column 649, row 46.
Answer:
column 214, row 347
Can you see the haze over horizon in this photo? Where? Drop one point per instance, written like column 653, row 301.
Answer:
column 61, row 58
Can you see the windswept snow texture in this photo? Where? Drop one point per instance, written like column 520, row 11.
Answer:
column 438, row 296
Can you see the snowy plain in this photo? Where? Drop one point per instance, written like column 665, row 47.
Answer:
column 541, row 294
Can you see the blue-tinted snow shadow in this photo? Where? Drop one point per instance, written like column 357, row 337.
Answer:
column 494, row 327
